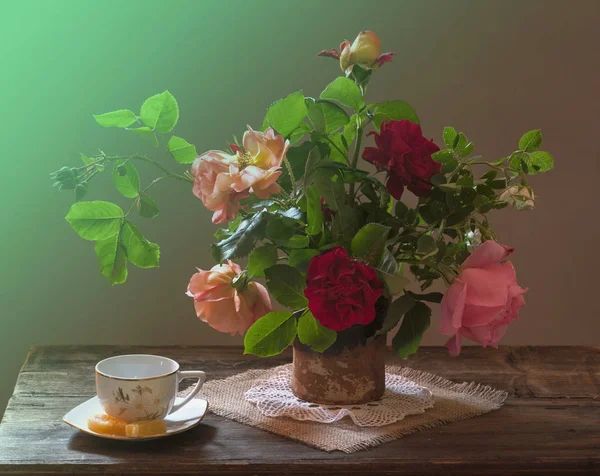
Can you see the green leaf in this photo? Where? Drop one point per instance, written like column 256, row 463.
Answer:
column 300, row 131
column 146, row 206
column 438, row 179
column 112, row 258
column 331, row 187
column 241, row 243
column 466, row 150
column 140, row 251
column 481, row 202
column 449, row 166
column 160, row 112
column 540, row 162
column 312, row 333
column 400, row 209
column 326, row 116
column 460, row 142
column 346, row 92
column 395, row 312
column 497, row 184
column 416, row 321
column 394, row 111
column 429, row 297
column 95, row 220
column 181, row 150
column 465, row 181
column 146, row 133
column 300, row 259
column 391, row 274
column 531, row 140
column 426, row 244
column 338, row 150
column 271, row 334
column 369, row 243
column 285, row 231
column 443, row 156
column 312, row 160
column 449, row 136
column 298, row 158
column 126, row 178
column 286, row 284
column 121, row 118
column 261, row 258
column 286, row 114
column 314, row 211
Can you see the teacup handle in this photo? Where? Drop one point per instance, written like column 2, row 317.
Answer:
column 187, row 374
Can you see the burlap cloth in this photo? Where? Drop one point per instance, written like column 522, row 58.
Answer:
column 452, row 402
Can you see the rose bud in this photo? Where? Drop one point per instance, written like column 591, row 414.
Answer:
column 364, row 51
column 519, row 196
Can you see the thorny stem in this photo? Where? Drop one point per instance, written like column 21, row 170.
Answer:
column 288, row 166
column 143, row 158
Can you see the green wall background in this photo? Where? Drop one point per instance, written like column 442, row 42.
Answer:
column 493, row 69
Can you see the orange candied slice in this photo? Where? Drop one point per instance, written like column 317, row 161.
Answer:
column 141, row 429
column 107, row 425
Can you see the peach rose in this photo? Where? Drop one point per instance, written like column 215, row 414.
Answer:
column 222, row 304
column 483, row 299
column 259, row 163
column 214, row 184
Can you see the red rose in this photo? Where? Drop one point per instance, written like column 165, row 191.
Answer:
column 406, row 155
column 341, row 291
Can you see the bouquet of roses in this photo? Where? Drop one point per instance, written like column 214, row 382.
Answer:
column 322, row 220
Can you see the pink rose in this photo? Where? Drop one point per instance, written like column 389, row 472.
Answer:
column 214, row 184
column 483, row 299
column 221, row 305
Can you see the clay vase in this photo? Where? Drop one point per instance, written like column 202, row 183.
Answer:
column 351, row 371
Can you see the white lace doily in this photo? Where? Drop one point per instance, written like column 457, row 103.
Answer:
column 274, row 398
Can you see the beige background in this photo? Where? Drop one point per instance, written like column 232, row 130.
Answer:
column 493, row 69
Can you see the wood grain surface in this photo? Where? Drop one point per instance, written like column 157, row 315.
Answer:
column 549, row 425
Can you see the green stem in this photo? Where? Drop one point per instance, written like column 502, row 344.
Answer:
column 167, row 172
column 143, row 158
column 359, row 132
column 137, row 199
column 489, row 164
column 288, row 166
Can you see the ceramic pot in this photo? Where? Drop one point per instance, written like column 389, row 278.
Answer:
column 351, row 371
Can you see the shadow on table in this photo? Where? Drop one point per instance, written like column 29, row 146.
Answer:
column 196, row 437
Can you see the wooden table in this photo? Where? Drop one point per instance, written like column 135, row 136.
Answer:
column 550, row 424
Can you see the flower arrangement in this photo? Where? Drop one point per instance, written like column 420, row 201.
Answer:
column 322, row 221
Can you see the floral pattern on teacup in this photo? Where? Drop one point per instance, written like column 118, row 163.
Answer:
column 147, row 405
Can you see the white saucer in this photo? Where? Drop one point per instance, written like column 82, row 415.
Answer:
column 181, row 420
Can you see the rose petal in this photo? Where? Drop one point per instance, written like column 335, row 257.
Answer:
column 452, row 307
column 454, row 345
column 395, row 186
column 488, row 253
column 488, row 286
column 384, row 58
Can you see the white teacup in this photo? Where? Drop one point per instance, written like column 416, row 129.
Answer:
column 142, row 387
